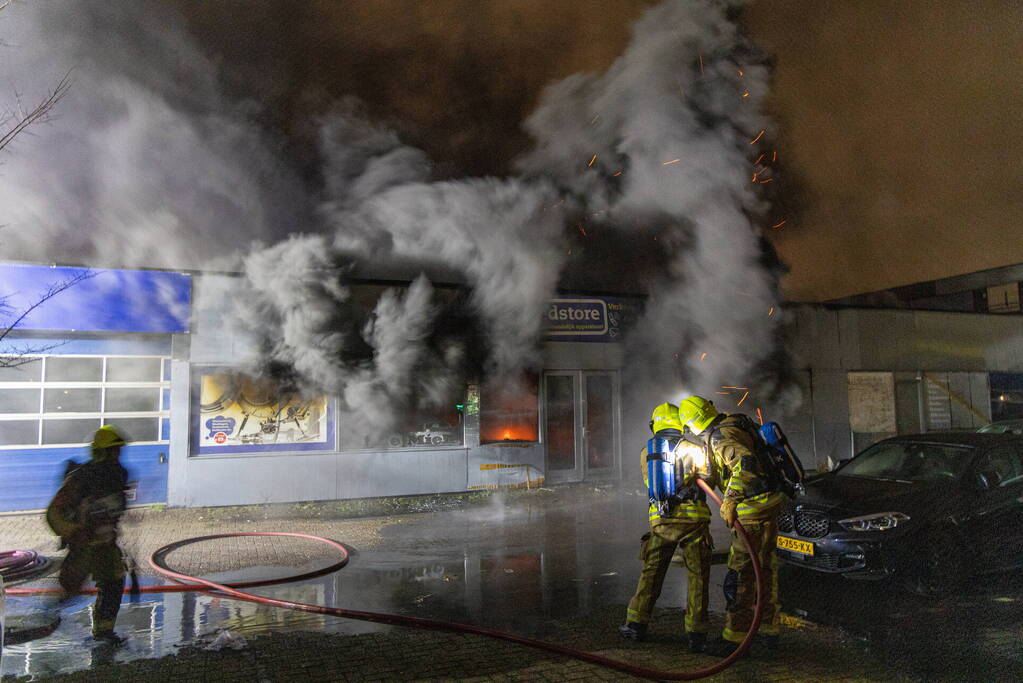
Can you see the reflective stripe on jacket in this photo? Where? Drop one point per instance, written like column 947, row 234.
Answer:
column 741, row 473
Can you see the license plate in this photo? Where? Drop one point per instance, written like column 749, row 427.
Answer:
column 796, row 546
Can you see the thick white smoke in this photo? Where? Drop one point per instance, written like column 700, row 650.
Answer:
column 151, row 165
column 676, row 115
column 145, row 162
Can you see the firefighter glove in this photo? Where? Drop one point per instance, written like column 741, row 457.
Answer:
column 727, row 511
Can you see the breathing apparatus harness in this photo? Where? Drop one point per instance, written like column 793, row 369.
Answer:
column 778, row 464
column 668, row 471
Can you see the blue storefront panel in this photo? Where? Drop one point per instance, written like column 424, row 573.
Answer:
column 31, row 476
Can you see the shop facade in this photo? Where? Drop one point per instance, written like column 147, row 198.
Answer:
column 148, row 352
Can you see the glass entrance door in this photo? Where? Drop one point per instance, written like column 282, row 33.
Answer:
column 599, row 392
column 561, row 403
column 580, row 424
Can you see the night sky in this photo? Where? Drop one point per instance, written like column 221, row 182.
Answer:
column 897, row 122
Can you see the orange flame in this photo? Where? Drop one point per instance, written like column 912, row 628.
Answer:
column 703, row 355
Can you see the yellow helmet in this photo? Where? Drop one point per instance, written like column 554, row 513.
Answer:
column 697, row 413
column 107, row 436
column 665, row 416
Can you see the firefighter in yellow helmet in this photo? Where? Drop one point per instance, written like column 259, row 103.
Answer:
column 85, row 514
column 685, row 522
column 750, row 495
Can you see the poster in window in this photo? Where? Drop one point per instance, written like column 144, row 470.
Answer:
column 237, row 413
column 872, row 402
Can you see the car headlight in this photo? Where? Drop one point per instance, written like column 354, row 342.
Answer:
column 882, row 521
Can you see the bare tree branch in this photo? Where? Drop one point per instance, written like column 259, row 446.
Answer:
column 14, row 356
column 41, row 112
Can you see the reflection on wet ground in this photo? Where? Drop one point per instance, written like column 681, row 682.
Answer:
column 517, row 568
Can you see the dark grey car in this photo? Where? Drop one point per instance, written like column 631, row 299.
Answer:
column 929, row 508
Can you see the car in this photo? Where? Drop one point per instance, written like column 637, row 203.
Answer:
column 1003, row 427
column 929, row 509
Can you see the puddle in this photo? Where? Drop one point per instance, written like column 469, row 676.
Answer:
column 513, row 568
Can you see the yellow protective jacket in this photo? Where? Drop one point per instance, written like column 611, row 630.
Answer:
column 683, row 512
column 741, row 474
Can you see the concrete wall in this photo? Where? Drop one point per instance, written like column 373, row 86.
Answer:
column 829, row 343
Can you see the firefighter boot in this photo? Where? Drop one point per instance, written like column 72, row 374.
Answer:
column 633, row 631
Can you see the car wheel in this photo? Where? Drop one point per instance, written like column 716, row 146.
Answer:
column 939, row 567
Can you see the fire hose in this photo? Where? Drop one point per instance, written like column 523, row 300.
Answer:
column 184, row 583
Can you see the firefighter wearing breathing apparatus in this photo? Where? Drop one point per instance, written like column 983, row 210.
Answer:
column 678, row 516
column 752, row 495
column 85, row 514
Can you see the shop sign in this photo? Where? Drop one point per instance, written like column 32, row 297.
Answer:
column 582, row 318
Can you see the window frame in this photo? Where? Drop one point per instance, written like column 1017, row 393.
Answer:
column 41, row 416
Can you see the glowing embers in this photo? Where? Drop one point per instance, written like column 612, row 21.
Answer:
column 509, row 412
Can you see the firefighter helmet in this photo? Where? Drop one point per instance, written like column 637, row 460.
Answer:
column 696, row 413
column 107, row 436
column 665, row 416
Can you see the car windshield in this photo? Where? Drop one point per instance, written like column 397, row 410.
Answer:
column 908, row 461
column 1006, row 427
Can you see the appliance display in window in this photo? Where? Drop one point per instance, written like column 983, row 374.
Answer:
column 238, row 413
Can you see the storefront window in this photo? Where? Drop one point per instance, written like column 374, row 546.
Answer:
column 509, row 411
column 241, row 414
column 62, row 400
column 433, row 423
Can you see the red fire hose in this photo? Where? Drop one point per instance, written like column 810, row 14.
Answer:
column 185, row 582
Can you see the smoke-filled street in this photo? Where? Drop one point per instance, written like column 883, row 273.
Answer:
column 558, row 565
column 510, row 340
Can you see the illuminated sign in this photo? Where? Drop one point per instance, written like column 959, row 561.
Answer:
column 576, row 317
column 588, row 318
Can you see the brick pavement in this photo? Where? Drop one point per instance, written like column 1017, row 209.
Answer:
column 809, row 654
column 143, row 530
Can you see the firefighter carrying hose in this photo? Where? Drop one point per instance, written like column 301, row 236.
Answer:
column 752, row 494
column 85, row 514
column 682, row 520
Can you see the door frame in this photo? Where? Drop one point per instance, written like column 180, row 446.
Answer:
column 582, row 471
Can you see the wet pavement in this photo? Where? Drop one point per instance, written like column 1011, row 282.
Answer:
column 555, row 565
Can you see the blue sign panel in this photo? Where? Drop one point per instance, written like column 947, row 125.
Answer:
column 99, row 300
column 587, row 319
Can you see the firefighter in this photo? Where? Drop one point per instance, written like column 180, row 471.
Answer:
column 752, row 495
column 686, row 523
column 85, row 514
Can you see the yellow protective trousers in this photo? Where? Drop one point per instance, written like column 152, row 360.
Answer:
column 656, row 550
column 104, row 562
column 740, row 582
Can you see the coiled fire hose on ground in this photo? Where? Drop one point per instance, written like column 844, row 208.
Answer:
column 184, row 582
